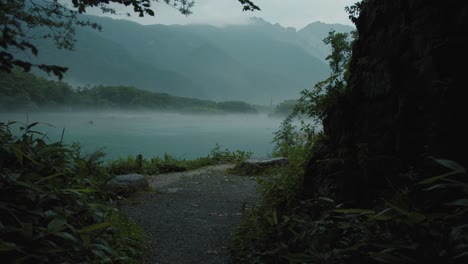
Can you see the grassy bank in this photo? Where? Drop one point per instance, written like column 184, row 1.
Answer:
column 168, row 163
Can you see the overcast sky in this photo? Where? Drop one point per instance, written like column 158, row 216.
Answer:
column 289, row 13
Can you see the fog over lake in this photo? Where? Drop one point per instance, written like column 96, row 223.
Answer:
column 154, row 133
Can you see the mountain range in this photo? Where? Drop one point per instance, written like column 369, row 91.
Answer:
column 257, row 62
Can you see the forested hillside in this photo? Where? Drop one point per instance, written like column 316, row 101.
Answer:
column 24, row 91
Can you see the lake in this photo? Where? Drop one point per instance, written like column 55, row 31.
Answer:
column 154, row 134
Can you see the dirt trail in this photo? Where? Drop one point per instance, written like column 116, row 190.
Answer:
column 190, row 216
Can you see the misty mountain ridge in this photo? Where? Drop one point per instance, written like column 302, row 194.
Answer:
column 255, row 62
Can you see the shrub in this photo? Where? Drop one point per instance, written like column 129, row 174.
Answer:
column 422, row 222
column 53, row 207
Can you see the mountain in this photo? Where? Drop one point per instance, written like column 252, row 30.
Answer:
column 256, row 62
column 313, row 34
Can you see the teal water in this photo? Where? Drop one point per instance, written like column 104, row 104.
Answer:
column 154, row 134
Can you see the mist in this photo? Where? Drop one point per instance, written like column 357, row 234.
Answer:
column 120, row 134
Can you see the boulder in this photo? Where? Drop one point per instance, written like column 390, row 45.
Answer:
column 129, row 183
column 258, row 165
column 266, row 162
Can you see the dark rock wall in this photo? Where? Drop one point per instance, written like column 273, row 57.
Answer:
column 406, row 98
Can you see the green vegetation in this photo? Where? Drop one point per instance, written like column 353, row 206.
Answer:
column 20, row 90
column 236, row 107
column 168, row 163
column 55, row 207
column 285, row 108
column 420, row 216
column 323, row 96
column 422, row 222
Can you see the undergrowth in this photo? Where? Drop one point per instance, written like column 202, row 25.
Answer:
column 54, row 207
column 424, row 222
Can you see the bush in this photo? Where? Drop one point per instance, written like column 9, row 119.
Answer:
column 53, row 207
column 422, row 222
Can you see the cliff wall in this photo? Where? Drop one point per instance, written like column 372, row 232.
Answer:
column 406, row 99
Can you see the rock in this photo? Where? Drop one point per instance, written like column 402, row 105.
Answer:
column 266, row 162
column 129, row 183
column 255, row 166
column 405, row 100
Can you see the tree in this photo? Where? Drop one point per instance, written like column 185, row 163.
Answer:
column 316, row 102
column 22, row 21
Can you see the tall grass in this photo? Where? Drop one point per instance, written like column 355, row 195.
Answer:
column 54, row 206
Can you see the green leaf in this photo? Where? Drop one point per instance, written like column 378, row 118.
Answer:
column 416, row 217
column 464, row 254
column 18, row 153
column 57, row 224
column 81, row 190
column 7, row 246
column 31, row 186
column 95, row 227
column 51, row 176
column 354, row 211
column 436, row 178
column 385, row 257
column 67, row 236
column 149, row 12
column 301, row 258
column 455, row 167
column 98, row 253
column 459, row 202
column 398, row 209
column 27, row 230
column 274, row 216
column 413, row 217
column 442, row 186
column 384, row 215
column 86, row 240
column 104, row 248
column 31, row 125
column 325, row 199
column 451, row 165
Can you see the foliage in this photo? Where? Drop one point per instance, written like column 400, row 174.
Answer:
column 236, row 107
column 248, row 5
column 53, row 206
column 256, row 238
column 354, row 10
column 24, row 20
column 422, row 219
column 279, row 229
column 287, row 139
column 21, row 91
column 317, row 101
column 168, row 163
column 422, row 222
column 27, row 91
column 285, row 108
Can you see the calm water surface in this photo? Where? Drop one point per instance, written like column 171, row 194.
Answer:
column 153, row 134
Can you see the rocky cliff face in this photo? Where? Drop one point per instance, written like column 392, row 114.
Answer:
column 405, row 101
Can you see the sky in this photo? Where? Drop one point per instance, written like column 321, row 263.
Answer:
column 288, row 13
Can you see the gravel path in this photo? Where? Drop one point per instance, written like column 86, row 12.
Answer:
column 190, row 217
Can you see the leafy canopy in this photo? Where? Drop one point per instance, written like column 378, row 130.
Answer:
column 22, row 21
